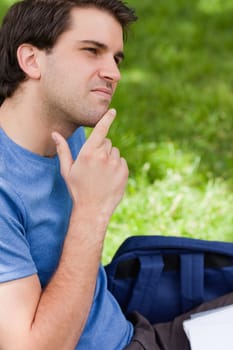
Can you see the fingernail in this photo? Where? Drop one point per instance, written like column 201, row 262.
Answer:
column 112, row 111
column 54, row 137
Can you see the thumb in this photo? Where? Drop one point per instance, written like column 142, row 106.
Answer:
column 64, row 154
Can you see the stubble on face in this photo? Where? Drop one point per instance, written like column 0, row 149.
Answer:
column 71, row 109
column 73, row 78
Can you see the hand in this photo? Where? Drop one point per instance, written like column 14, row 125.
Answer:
column 97, row 178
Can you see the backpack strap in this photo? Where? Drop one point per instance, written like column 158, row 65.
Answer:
column 191, row 280
column 151, row 267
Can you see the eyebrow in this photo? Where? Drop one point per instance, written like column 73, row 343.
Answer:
column 103, row 47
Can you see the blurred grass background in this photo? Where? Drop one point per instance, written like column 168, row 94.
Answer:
column 175, row 123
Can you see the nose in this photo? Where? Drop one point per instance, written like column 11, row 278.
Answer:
column 110, row 70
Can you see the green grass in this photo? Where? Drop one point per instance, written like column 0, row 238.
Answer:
column 175, row 124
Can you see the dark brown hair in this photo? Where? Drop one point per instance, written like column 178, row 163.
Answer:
column 40, row 23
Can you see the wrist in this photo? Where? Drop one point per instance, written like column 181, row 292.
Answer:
column 90, row 221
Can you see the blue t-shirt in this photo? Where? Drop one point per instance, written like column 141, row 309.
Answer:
column 35, row 208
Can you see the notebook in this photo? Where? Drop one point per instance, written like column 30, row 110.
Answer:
column 211, row 330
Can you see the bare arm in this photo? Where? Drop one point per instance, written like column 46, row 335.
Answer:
column 54, row 319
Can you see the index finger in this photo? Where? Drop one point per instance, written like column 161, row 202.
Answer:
column 101, row 129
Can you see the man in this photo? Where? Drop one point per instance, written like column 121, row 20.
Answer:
column 59, row 69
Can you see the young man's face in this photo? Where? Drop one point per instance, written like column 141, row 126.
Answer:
column 80, row 75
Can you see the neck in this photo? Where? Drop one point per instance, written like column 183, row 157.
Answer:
column 25, row 125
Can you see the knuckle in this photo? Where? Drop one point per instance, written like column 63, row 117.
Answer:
column 107, row 144
column 85, row 156
column 85, row 152
column 108, row 141
column 116, row 151
column 115, row 163
column 103, row 156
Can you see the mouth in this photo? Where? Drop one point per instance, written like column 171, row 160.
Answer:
column 103, row 92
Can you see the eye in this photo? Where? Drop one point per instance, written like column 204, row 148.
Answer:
column 91, row 49
column 118, row 60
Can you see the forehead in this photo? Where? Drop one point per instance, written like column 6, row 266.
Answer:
column 95, row 24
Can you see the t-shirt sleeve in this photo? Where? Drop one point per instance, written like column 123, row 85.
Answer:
column 15, row 258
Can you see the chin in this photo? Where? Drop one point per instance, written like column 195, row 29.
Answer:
column 97, row 117
column 92, row 114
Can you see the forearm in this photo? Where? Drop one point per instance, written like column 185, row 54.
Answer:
column 65, row 304
column 55, row 318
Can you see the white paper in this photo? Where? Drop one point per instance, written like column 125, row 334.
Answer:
column 211, row 330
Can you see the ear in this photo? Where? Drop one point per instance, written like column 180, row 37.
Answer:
column 27, row 56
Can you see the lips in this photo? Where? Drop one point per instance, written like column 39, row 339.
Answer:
column 103, row 91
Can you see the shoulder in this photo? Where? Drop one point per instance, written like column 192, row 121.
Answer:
column 11, row 203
